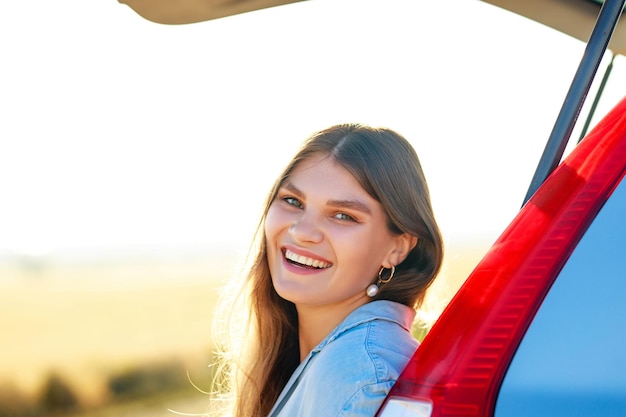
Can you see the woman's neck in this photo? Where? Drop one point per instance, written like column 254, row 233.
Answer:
column 316, row 322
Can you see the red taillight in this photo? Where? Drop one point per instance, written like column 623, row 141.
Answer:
column 461, row 363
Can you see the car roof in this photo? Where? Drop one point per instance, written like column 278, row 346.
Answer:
column 192, row 11
column 573, row 17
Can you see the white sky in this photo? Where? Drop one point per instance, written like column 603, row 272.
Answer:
column 116, row 130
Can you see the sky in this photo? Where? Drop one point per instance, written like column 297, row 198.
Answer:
column 118, row 131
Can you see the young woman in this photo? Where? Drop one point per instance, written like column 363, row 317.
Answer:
column 346, row 248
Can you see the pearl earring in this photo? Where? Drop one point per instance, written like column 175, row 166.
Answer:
column 372, row 290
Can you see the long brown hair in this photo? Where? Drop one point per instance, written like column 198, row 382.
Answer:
column 387, row 167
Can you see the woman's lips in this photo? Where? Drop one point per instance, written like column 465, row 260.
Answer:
column 305, row 261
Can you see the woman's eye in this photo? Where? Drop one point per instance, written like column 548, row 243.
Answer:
column 292, row 201
column 345, row 217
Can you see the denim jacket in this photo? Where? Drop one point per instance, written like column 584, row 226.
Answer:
column 351, row 371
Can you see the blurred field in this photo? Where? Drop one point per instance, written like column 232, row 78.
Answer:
column 88, row 320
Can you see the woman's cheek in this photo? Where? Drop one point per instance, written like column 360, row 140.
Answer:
column 273, row 220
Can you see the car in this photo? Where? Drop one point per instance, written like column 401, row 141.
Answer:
column 537, row 329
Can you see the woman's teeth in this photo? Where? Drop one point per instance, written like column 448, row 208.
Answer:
column 303, row 260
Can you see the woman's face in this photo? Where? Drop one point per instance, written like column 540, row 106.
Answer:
column 327, row 238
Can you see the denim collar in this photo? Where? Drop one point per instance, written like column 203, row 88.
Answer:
column 374, row 310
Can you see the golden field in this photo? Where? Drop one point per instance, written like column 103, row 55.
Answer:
column 87, row 320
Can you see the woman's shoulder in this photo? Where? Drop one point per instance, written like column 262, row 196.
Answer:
column 379, row 330
column 373, row 343
column 379, row 348
column 352, row 374
column 354, row 368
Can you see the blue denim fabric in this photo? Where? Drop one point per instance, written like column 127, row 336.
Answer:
column 351, row 371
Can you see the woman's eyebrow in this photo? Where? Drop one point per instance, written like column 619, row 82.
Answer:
column 351, row 204
column 290, row 187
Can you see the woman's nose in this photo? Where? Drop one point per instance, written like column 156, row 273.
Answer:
column 306, row 229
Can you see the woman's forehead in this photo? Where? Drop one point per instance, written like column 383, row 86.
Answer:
column 323, row 175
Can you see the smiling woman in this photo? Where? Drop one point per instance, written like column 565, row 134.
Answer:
column 346, row 248
column 336, row 209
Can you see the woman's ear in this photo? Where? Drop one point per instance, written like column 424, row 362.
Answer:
column 404, row 243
